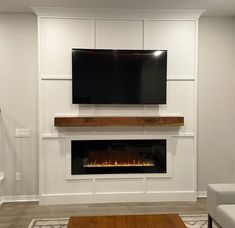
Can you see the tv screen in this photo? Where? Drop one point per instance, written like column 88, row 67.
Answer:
column 119, row 76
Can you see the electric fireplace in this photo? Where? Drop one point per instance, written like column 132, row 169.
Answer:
column 118, row 156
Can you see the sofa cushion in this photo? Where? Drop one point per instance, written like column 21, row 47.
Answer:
column 219, row 194
column 225, row 215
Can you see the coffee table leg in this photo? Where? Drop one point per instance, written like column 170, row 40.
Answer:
column 209, row 221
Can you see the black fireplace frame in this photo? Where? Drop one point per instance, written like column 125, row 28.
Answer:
column 77, row 158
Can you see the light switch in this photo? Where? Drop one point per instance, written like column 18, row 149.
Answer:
column 22, row 133
column 17, row 176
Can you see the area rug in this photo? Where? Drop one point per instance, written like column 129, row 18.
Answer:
column 191, row 221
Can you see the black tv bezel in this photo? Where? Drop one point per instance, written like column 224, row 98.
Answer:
column 75, row 100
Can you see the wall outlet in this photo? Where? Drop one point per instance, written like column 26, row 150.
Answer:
column 17, row 176
column 22, row 133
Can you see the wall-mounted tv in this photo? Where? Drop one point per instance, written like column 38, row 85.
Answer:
column 119, row 76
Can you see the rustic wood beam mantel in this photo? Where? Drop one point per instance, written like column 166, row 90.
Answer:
column 160, row 121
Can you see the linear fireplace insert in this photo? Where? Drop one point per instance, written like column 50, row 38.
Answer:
column 118, row 156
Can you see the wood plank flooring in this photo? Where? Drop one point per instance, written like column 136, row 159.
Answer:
column 19, row 215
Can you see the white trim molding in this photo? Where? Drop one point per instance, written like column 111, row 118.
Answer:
column 68, row 77
column 68, row 198
column 92, row 131
column 71, row 137
column 20, row 198
column 52, row 136
column 202, row 194
column 180, row 78
column 130, row 14
column 56, row 77
column 49, row 199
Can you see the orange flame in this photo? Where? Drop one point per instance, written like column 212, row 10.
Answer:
column 116, row 158
column 117, row 164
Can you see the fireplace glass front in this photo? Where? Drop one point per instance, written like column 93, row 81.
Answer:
column 118, row 156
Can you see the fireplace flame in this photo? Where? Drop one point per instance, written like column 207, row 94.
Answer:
column 118, row 164
column 116, row 158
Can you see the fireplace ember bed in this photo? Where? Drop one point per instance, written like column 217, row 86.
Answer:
column 118, row 156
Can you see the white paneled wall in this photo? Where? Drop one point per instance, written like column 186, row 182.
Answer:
column 178, row 37
column 58, row 35
column 119, row 34
column 56, row 99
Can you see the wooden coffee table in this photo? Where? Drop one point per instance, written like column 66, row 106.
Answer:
column 127, row 221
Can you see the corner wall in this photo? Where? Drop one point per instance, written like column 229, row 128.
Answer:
column 18, row 102
column 216, row 101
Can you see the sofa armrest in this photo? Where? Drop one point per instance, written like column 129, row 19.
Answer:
column 219, row 194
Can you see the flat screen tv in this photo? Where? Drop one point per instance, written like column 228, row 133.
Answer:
column 119, row 76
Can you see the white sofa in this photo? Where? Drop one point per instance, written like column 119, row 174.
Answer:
column 221, row 205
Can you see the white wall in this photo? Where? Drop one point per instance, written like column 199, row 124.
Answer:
column 18, row 102
column 216, row 101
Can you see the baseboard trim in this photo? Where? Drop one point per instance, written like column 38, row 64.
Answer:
column 201, row 194
column 47, row 199
column 22, row 198
column 62, row 198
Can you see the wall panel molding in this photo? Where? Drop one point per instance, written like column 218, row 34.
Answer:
column 56, row 77
column 69, row 77
column 55, row 97
column 46, row 136
column 164, row 196
column 169, row 14
column 19, row 198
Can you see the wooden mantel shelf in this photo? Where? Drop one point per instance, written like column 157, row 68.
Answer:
column 160, row 121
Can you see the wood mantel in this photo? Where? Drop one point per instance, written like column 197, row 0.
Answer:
column 160, row 121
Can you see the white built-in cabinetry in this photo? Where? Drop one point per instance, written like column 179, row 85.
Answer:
column 59, row 32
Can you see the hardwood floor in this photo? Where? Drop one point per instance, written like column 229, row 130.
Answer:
column 19, row 215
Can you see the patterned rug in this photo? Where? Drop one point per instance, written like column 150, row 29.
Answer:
column 191, row 221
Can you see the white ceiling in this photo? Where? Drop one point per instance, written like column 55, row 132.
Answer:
column 213, row 7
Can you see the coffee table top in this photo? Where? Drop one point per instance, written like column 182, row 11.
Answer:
column 127, row 221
